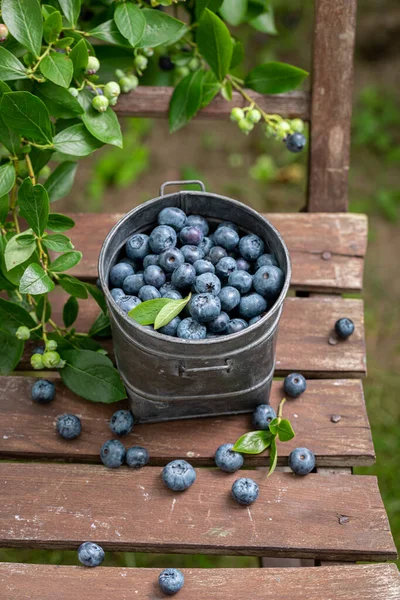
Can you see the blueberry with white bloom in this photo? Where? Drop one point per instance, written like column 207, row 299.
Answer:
column 148, row 292
column 192, row 254
column 171, row 581
column 191, row 235
column 154, row 275
column 251, row 247
column 183, row 276
column 172, row 216
column 118, row 274
column 137, row 247
column 162, row 238
column 90, row 554
column 126, row 303
column 43, row 391
column 229, row 297
column 226, row 237
column 121, row 423
column 199, row 222
column 301, row 461
column 204, row 307
column 137, row 457
column 203, row 266
column 68, row 426
column 207, row 283
column 112, row 454
column 171, row 259
column 268, row 281
column 219, row 324
column 216, row 254
column 241, row 280
column 263, row 415
column 225, row 267
column 236, row 325
column 252, row 305
column 171, row 328
column 266, row 260
column 245, row 491
column 206, row 244
column 227, row 459
column 178, row 475
column 188, row 329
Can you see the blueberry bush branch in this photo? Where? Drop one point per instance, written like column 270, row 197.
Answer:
column 62, row 70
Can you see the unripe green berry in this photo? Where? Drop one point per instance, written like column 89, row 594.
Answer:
column 297, row 125
column 3, row 32
column 45, row 172
column 112, row 90
column 113, row 101
column 148, row 52
column 140, row 62
column 100, row 103
column 51, row 359
column 283, row 127
column 73, row 91
column 51, row 345
column 270, row 131
column 119, row 73
column 182, row 71
column 245, row 126
column 128, row 83
column 254, row 116
column 37, row 361
column 23, row 333
column 194, row 63
column 237, row 114
column 61, row 364
column 93, row 65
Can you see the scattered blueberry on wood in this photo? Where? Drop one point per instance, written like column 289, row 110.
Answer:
column 344, row 328
column 43, row 391
column 121, row 423
column 245, row 491
column 68, row 426
column 301, row 461
column 263, row 415
column 112, row 454
column 90, row 554
column 294, row 385
column 171, row 581
column 227, row 459
column 178, row 475
column 137, row 457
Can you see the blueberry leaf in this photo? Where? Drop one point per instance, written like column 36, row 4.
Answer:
column 109, row 32
column 7, row 178
column 25, row 22
column 285, row 431
column 160, row 29
column 65, row 261
column 273, row 456
column 58, row 68
column 11, row 350
column 58, row 222
column 130, row 21
column 146, row 312
column 215, row 43
column 97, row 295
column 33, row 204
column 13, row 316
column 16, row 254
column 57, row 242
column 273, row 426
column 71, row 10
column 275, row 78
column 104, row 126
column 4, row 208
column 234, row 11
column 79, row 56
column 201, row 5
column 26, row 114
column 35, row 281
column 101, row 326
column 70, row 311
column 52, row 27
column 186, row 100
column 253, row 442
column 170, row 311
column 60, row 182
column 10, row 67
column 73, row 286
column 76, row 141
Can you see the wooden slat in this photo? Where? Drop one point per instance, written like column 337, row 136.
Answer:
column 47, row 582
column 332, row 72
column 327, row 250
column 59, row 506
column 303, row 341
column 150, row 101
column 27, row 429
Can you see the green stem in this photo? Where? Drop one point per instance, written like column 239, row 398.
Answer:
column 14, row 209
column 270, row 119
column 30, row 169
column 41, row 57
column 282, row 402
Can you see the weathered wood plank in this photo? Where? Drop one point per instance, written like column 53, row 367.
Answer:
column 334, row 35
column 27, row 429
column 46, row 582
column 59, row 506
column 327, row 250
column 153, row 101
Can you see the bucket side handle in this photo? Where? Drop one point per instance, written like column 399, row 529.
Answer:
column 187, row 182
column 185, row 372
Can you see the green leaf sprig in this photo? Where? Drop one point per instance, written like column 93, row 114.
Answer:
column 158, row 312
column 256, row 442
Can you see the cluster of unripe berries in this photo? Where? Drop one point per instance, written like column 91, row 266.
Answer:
column 108, row 94
column 181, row 65
column 43, row 358
column 289, row 131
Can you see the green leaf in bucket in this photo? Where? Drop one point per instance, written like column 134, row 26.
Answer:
column 146, row 312
column 170, row 311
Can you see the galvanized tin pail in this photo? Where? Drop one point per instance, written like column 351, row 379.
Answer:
column 170, row 378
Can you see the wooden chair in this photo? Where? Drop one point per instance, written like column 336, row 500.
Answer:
column 51, row 497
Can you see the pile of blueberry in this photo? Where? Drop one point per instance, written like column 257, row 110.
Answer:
column 234, row 281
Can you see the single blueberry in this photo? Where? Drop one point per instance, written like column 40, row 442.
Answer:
column 150, row 259
column 301, row 461
column 245, row 491
column 266, row 260
column 226, row 237
column 121, row 423
column 230, row 225
column 137, row 246
column 206, row 244
column 230, row 298
column 171, row 259
column 263, row 415
column 188, row 329
column 268, row 281
column 227, row 459
column 255, row 319
column 178, row 475
column 90, row 554
column 165, row 63
column 199, row 222
column 192, row 253
column 162, row 238
column 135, row 264
column 242, row 264
column 235, row 326
column 294, row 385
column 171, row 581
column 215, row 254
column 251, row 247
column 154, row 275
column 252, row 305
column 68, row 426
column 117, row 293
column 207, row 283
column 183, row 276
column 43, row 391
column 191, row 235
column 148, row 292
column 132, row 284
column 119, row 273
column 173, row 295
column 112, row 454
column 137, row 457
column 126, row 303
column 241, row 280
column 167, row 287
column 344, row 328
column 204, row 307
column 225, row 267
column 171, row 328
column 203, row 266
column 295, row 142
column 172, row 216
column 219, row 324
column 40, row 349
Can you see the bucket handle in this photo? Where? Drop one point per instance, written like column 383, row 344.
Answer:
column 188, row 181
column 184, row 371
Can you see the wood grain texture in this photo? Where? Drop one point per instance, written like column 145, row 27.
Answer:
column 332, row 81
column 27, row 429
column 153, row 101
column 47, row 582
column 327, row 250
column 60, row 506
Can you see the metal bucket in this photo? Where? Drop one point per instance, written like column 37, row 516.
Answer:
column 170, row 378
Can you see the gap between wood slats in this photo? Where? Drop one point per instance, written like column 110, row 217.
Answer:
column 27, row 430
column 60, row 506
column 47, row 582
